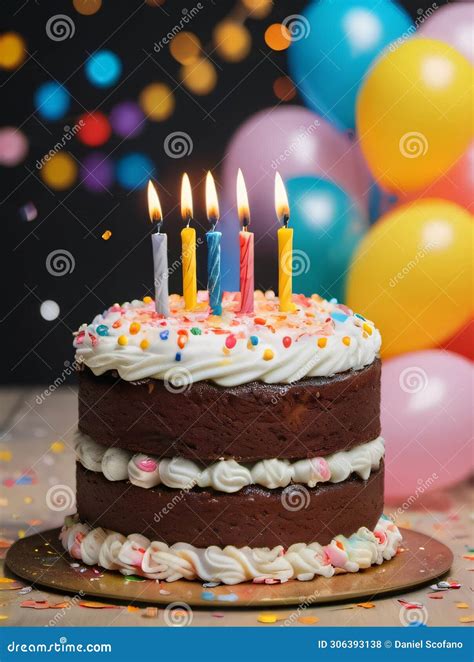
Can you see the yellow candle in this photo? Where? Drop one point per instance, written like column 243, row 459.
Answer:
column 188, row 247
column 188, row 244
column 285, row 248
column 285, row 260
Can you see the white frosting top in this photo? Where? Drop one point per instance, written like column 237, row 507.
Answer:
column 318, row 339
column 227, row 475
column 137, row 555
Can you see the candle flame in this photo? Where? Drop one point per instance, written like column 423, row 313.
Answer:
column 212, row 204
column 242, row 201
column 281, row 200
column 154, row 207
column 186, row 199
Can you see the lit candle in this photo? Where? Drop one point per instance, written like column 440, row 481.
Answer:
column 246, row 248
column 159, row 242
column 213, row 238
column 188, row 246
column 285, row 247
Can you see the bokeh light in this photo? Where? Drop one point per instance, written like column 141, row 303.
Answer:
column 97, row 172
column 52, row 100
column 185, row 48
column 103, row 68
column 258, row 8
column 199, row 77
column 155, row 3
column 87, row 7
column 59, row 172
column 95, row 129
column 134, row 170
column 127, row 119
column 277, row 37
column 12, row 50
column 28, row 212
column 49, row 310
column 232, row 41
column 284, row 88
column 157, row 101
column 13, row 146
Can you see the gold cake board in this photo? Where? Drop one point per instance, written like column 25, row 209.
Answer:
column 41, row 560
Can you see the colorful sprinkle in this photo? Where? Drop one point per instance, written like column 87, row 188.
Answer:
column 260, row 320
column 339, row 317
column 177, row 356
column 286, row 341
column 117, row 324
column 254, row 340
column 182, row 340
column 267, row 618
column 196, row 331
column 367, row 328
column 268, row 355
column 102, row 330
column 134, row 328
column 57, row 447
column 322, row 342
column 122, row 340
column 164, row 335
column 359, row 316
column 346, row 340
column 230, row 341
column 145, row 344
column 147, row 299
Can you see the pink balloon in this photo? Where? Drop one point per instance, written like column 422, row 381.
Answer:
column 453, row 24
column 456, row 185
column 295, row 141
column 426, row 422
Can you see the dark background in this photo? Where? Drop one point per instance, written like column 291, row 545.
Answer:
column 34, row 350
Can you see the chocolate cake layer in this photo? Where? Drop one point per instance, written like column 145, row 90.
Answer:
column 254, row 516
column 312, row 417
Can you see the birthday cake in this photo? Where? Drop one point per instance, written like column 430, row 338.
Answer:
column 230, row 448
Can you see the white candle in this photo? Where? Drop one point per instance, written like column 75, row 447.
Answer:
column 159, row 242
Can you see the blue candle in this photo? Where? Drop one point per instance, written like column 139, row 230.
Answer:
column 213, row 237
column 214, row 284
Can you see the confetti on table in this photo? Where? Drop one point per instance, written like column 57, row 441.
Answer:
column 462, row 605
column 445, row 586
column 469, row 557
column 132, row 608
column 43, row 604
column 151, row 612
column 5, row 456
column 7, row 584
column 25, row 590
column 97, row 605
column 3, row 617
column 217, row 614
column 366, row 605
column 410, row 605
column 164, row 592
column 435, row 596
column 308, row 620
column 467, row 619
column 134, row 578
column 267, row 618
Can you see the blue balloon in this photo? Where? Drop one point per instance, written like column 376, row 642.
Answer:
column 52, row 100
column 134, row 170
column 329, row 58
column 103, row 68
column 327, row 228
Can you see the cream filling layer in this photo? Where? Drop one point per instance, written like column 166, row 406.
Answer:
column 227, row 475
column 135, row 554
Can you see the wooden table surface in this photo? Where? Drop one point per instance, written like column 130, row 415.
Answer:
column 36, row 453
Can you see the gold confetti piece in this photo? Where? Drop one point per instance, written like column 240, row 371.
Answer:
column 462, row 605
column 467, row 619
column 5, row 456
column 267, row 618
column 132, row 608
column 469, row 557
column 106, row 236
column 28, row 500
column 57, row 447
column 366, row 605
column 308, row 620
column 6, row 580
column 151, row 612
column 21, row 533
column 97, row 605
column 3, row 617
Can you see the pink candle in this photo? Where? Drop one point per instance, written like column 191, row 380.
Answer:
column 246, row 248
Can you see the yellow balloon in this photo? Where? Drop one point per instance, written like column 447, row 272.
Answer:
column 412, row 274
column 414, row 113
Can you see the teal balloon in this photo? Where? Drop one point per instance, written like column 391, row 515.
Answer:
column 327, row 228
column 334, row 44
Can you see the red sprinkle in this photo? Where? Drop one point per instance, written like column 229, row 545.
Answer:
column 182, row 332
column 259, row 320
column 230, row 341
column 286, row 341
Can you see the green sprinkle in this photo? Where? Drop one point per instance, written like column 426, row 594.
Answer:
column 195, row 331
